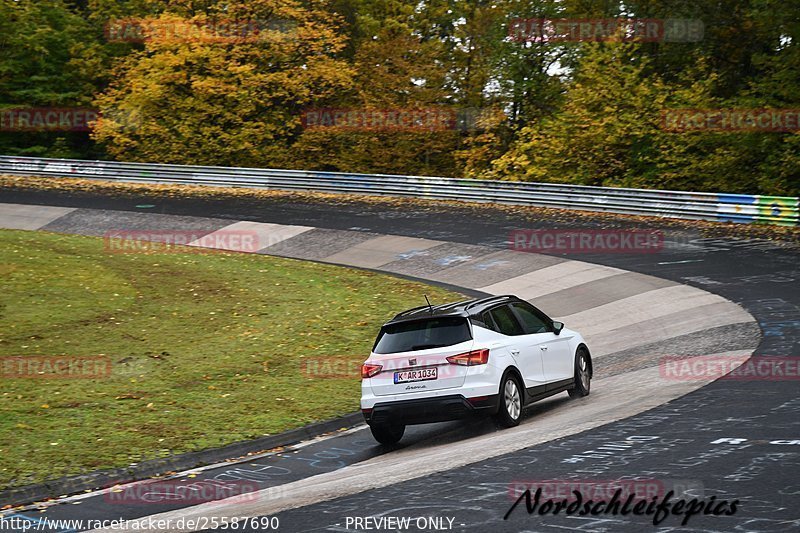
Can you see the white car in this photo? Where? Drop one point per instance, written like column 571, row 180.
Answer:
column 492, row 355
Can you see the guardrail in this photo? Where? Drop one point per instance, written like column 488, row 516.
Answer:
column 675, row 204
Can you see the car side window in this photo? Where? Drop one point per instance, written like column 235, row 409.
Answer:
column 487, row 319
column 531, row 321
column 507, row 323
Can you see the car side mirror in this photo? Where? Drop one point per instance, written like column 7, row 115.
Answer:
column 557, row 327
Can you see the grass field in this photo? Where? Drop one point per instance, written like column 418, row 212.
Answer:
column 204, row 349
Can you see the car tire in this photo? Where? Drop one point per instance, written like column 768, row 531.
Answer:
column 583, row 374
column 388, row 434
column 509, row 410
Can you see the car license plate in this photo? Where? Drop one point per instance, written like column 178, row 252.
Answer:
column 421, row 374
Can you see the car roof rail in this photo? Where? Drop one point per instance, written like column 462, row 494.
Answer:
column 407, row 311
column 490, row 299
column 434, row 308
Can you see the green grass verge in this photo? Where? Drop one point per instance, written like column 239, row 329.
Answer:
column 205, row 349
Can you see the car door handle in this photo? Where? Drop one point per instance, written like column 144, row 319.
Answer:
column 543, row 347
column 514, row 352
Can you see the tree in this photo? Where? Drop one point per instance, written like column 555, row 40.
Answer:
column 602, row 134
column 233, row 102
column 50, row 57
column 398, row 67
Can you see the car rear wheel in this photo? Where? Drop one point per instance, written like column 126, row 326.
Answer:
column 388, row 434
column 509, row 411
column 583, row 375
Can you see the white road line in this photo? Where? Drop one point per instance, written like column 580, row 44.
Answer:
column 30, row 217
column 263, row 235
column 681, row 262
column 380, row 251
column 644, row 306
column 664, row 328
column 551, row 279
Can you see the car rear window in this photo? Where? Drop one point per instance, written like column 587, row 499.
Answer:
column 422, row 334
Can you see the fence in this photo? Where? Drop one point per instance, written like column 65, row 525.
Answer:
column 675, row 204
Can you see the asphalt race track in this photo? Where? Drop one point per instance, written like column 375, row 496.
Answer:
column 633, row 308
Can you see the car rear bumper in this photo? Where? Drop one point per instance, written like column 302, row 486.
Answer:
column 426, row 410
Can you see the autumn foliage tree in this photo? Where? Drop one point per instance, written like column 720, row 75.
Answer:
column 223, row 101
column 600, row 135
column 396, row 68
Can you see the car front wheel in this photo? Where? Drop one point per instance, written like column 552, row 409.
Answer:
column 509, row 411
column 583, row 375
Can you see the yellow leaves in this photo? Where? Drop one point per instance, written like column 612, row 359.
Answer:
column 176, row 92
column 128, row 396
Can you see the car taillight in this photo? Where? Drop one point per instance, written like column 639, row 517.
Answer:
column 368, row 370
column 475, row 357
